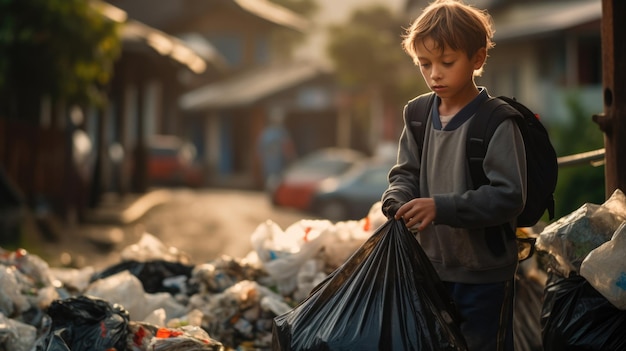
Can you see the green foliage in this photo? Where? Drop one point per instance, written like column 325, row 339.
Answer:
column 301, row 7
column 64, row 49
column 284, row 40
column 584, row 183
column 367, row 53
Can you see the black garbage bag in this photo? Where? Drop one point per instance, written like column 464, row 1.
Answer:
column 575, row 316
column 85, row 323
column 386, row 296
column 152, row 274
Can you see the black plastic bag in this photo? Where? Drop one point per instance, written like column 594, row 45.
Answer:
column 386, row 296
column 575, row 316
column 86, row 323
column 152, row 274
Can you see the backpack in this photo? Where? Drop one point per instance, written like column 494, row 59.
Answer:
column 541, row 159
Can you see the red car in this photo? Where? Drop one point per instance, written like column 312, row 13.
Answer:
column 300, row 181
column 172, row 161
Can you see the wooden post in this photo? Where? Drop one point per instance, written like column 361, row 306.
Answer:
column 613, row 120
column 140, row 151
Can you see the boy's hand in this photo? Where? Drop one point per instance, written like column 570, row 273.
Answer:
column 390, row 207
column 420, row 212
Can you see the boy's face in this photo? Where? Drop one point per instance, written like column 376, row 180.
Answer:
column 449, row 73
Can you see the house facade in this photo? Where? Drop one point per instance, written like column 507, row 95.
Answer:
column 67, row 156
column 226, row 118
column 223, row 115
column 143, row 101
column 546, row 52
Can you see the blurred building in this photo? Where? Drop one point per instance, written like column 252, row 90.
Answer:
column 143, row 99
column 223, row 114
column 63, row 159
column 205, row 71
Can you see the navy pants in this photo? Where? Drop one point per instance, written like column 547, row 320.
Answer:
column 487, row 311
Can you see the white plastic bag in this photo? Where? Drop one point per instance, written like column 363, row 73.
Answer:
column 150, row 248
column 15, row 335
column 282, row 253
column 12, row 284
column 605, row 268
column 127, row 290
column 570, row 239
column 348, row 236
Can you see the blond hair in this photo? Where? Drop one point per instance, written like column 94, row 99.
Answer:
column 453, row 24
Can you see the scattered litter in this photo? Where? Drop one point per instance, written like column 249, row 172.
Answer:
column 583, row 254
column 155, row 298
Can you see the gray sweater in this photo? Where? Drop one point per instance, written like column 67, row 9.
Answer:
column 455, row 243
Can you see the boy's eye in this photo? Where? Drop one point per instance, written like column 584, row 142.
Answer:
column 424, row 64
column 448, row 63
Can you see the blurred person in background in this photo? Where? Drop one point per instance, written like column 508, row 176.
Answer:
column 275, row 149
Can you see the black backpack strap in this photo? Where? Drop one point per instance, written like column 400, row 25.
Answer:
column 481, row 129
column 416, row 114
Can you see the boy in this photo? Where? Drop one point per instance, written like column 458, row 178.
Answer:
column 433, row 193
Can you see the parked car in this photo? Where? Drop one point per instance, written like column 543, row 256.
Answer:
column 173, row 162
column 301, row 179
column 350, row 196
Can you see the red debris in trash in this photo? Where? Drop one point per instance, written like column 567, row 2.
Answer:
column 167, row 333
column 19, row 253
column 139, row 335
column 367, row 224
column 103, row 329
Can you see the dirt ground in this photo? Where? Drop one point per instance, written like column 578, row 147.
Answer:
column 200, row 224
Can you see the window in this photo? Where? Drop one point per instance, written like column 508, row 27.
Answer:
column 262, row 50
column 230, row 46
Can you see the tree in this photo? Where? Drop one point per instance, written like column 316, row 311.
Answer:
column 373, row 69
column 284, row 40
column 301, row 7
column 64, row 49
column 578, row 184
column 367, row 53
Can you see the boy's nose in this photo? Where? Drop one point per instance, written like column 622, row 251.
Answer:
column 434, row 74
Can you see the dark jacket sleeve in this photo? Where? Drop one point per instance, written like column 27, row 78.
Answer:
column 404, row 176
column 503, row 198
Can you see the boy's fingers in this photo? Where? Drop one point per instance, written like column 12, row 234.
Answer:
column 399, row 213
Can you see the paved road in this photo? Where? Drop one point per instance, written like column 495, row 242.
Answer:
column 210, row 223
column 204, row 224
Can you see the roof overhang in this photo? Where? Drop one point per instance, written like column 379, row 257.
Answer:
column 533, row 19
column 135, row 32
column 164, row 44
column 248, row 88
column 274, row 13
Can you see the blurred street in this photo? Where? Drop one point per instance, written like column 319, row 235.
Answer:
column 204, row 224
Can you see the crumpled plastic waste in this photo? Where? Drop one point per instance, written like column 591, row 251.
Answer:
column 222, row 273
column 15, row 335
column 232, row 300
column 605, row 268
column 86, row 323
column 143, row 336
column 570, row 239
column 575, row 316
column 584, row 297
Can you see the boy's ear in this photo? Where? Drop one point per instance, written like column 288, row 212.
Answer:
column 479, row 58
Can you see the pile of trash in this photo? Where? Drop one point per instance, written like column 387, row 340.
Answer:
column 584, row 303
column 155, row 299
